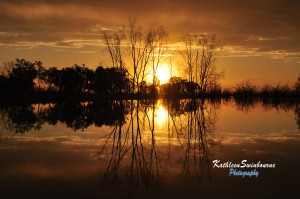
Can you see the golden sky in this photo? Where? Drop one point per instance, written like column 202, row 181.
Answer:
column 257, row 40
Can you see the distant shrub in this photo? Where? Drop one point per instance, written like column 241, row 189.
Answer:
column 245, row 89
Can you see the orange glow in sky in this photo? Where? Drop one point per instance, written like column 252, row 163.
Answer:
column 255, row 41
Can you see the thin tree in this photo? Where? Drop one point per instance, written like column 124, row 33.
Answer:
column 155, row 41
column 138, row 53
column 199, row 55
column 113, row 41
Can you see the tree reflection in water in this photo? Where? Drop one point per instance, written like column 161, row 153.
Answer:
column 193, row 137
column 6, row 126
column 137, row 154
column 131, row 159
column 74, row 114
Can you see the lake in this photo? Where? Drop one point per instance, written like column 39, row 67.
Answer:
column 189, row 148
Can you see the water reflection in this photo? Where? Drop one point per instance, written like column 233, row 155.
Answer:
column 132, row 160
column 75, row 115
column 150, row 142
column 80, row 115
column 280, row 104
column 156, row 138
column 192, row 132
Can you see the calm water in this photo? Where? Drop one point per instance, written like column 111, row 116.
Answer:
column 149, row 149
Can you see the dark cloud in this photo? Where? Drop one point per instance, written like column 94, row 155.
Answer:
column 235, row 22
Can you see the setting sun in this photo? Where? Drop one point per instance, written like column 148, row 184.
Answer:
column 163, row 73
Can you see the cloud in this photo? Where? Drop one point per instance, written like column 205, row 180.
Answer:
column 266, row 26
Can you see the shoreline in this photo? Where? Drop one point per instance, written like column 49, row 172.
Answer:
column 57, row 97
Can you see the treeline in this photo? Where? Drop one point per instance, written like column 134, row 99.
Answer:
column 25, row 77
column 178, row 87
column 246, row 89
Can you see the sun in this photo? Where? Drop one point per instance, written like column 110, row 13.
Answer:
column 163, row 73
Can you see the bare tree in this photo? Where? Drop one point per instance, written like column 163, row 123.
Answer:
column 113, row 41
column 139, row 49
column 155, row 41
column 145, row 50
column 138, row 53
column 128, row 42
column 191, row 54
column 199, row 56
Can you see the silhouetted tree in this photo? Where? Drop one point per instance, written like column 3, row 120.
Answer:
column 101, row 81
column 149, row 89
column 138, row 53
column 113, row 41
column 155, row 40
column 143, row 88
column 89, row 80
column 4, row 84
column 178, row 87
column 199, row 56
column 74, row 80
column 153, row 90
column 111, row 81
column 141, row 49
column 120, row 81
column 22, row 75
column 52, row 77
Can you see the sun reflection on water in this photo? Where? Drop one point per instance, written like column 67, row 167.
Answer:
column 161, row 114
